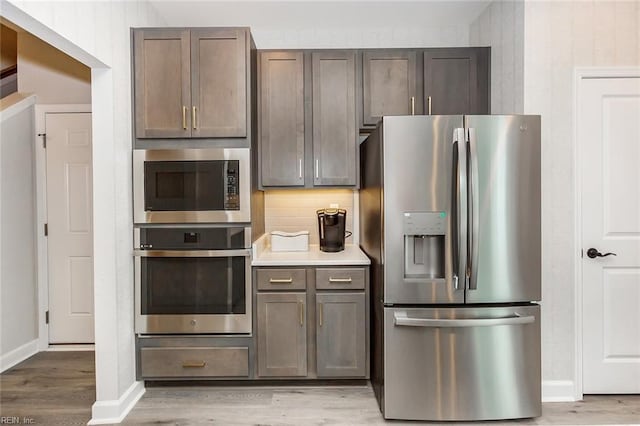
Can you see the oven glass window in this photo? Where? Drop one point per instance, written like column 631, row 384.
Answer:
column 193, row 285
column 191, row 185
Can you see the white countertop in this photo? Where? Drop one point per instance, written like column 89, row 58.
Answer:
column 263, row 256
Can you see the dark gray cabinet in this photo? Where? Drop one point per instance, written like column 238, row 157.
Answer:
column 341, row 334
column 281, row 334
column 307, row 118
column 456, row 81
column 312, row 322
column 191, row 83
column 335, row 133
column 281, row 118
column 389, row 84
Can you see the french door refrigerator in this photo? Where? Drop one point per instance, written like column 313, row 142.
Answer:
column 450, row 217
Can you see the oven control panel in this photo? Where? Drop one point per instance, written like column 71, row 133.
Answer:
column 231, row 195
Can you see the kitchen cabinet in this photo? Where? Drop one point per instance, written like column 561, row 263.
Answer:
column 190, row 83
column 335, row 133
column 307, row 119
column 281, row 334
column 456, row 81
column 281, row 118
column 341, row 334
column 389, row 84
column 332, row 304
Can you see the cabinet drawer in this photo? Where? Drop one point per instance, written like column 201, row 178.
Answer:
column 194, row 362
column 339, row 278
column 281, row 279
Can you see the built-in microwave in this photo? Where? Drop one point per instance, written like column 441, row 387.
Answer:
column 191, row 185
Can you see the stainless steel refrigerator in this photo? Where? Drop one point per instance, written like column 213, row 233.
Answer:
column 450, row 217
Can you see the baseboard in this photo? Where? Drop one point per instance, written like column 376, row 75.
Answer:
column 18, row 355
column 114, row 411
column 558, row 391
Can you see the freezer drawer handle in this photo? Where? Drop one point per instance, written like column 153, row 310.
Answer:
column 401, row 318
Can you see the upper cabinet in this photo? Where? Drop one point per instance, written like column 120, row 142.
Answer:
column 456, row 81
column 308, row 132
column 389, row 84
column 335, row 132
column 191, row 83
column 281, row 118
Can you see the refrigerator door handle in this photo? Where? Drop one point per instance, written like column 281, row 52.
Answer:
column 401, row 319
column 474, row 210
column 459, row 206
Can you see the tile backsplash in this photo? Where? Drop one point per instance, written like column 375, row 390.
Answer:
column 295, row 210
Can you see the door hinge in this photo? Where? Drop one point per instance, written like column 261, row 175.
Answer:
column 46, row 229
column 46, row 317
column 44, row 139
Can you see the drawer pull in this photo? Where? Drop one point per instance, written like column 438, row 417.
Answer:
column 340, row 280
column 280, row 280
column 194, row 364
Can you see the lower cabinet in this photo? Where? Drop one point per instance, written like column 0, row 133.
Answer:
column 316, row 327
column 282, row 334
column 341, row 335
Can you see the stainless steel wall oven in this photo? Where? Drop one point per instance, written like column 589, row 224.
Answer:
column 192, row 280
column 191, row 185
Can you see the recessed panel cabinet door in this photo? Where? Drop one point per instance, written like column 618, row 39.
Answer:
column 282, row 118
column 218, row 82
column 456, row 81
column 335, row 133
column 162, row 83
column 341, row 334
column 282, row 334
column 389, row 80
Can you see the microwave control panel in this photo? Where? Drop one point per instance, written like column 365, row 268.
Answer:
column 231, row 195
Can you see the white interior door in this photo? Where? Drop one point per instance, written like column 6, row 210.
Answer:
column 609, row 139
column 70, row 240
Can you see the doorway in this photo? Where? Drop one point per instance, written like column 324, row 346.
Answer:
column 608, row 188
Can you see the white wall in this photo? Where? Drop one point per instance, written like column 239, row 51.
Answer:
column 53, row 76
column 18, row 263
column 97, row 34
column 501, row 26
column 560, row 36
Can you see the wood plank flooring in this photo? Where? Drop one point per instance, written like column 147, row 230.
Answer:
column 52, row 388
column 57, row 388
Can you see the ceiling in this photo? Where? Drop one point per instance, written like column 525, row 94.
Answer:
column 297, row 14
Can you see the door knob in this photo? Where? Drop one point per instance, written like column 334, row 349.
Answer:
column 592, row 253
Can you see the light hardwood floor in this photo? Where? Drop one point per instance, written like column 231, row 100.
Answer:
column 57, row 388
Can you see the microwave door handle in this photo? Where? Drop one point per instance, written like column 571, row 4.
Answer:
column 192, row 253
column 459, row 204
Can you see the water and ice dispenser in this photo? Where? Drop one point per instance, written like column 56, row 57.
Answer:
column 424, row 247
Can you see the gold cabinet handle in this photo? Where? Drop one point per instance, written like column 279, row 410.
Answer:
column 194, row 364
column 429, row 104
column 194, row 116
column 280, row 280
column 320, row 313
column 184, row 117
column 317, row 168
column 300, row 168
column 340, row 280
column 413, row 105
column 301, row 310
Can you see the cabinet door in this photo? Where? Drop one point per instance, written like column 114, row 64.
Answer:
column 281, row 118
column 335, row 134
column 282, row 334
column 456, row 81
column 341, row 335
column 389, row 84
column 162, row 83
column 219, row 82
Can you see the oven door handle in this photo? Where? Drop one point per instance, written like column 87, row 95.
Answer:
column 192, row 253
